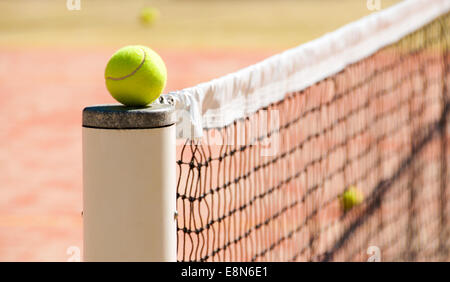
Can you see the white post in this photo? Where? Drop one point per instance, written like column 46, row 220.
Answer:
column 129, row 178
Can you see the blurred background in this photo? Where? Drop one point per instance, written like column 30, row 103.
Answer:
column 52, row 59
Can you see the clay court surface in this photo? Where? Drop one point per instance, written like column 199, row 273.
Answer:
column 51, row 67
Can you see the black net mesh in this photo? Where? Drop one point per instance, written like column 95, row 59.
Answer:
column 270, row 187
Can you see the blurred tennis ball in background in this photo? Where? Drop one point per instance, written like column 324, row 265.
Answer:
column 149, row 15
column 135, row 75
column 351, row 197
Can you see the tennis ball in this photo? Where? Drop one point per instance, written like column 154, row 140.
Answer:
column 350, row 198
column 149, row 15
column 135, row 75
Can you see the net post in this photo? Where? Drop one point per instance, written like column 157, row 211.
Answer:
column 129, row 186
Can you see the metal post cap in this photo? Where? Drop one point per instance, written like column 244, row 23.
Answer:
column 122, row 117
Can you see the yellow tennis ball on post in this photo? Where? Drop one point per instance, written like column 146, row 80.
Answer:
column 135, row 75
column 351, row 198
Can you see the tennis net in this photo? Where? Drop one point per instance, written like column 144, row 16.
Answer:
column 266, row 180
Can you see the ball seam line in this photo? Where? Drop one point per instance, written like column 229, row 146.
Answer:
column 133, row 72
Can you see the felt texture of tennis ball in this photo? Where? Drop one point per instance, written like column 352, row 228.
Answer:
column 135, row 75
column 351, row 198
column 149, row 15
